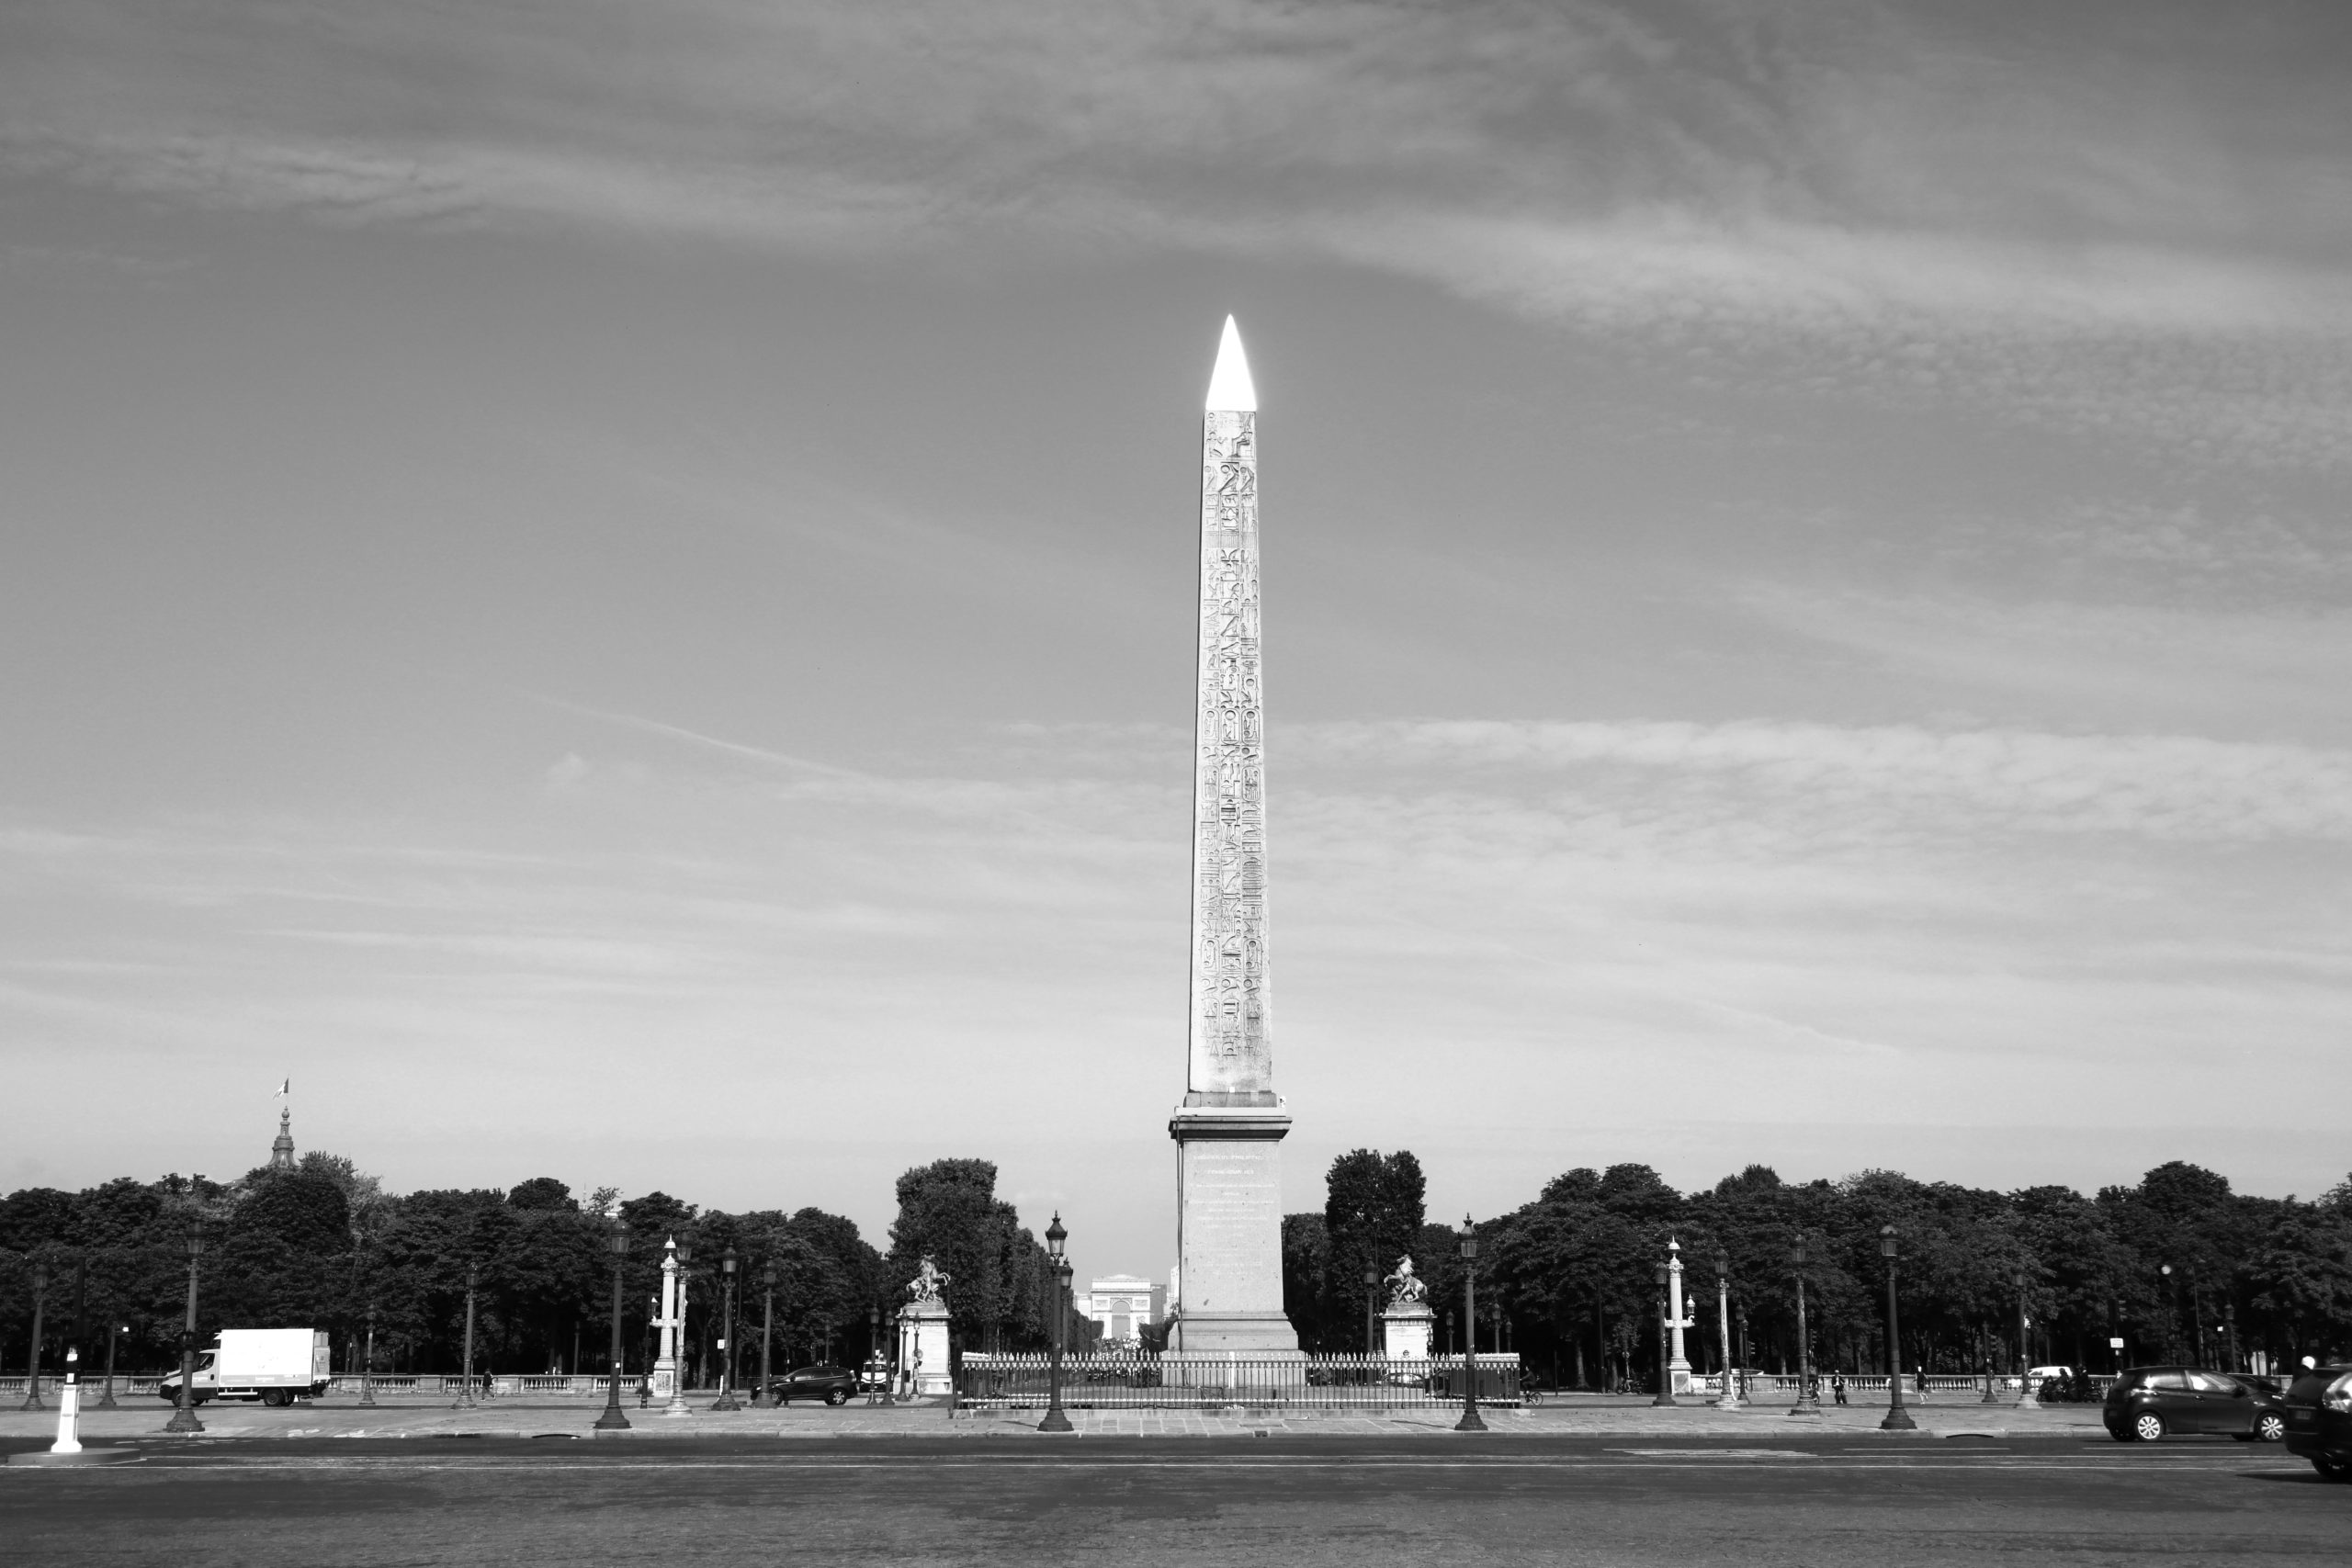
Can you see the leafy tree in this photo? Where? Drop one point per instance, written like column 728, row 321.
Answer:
column 542, row 1192
column 1373, row 1213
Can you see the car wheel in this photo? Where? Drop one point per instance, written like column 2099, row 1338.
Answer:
column 2147, row 1425
column 2269, row 1428
column 838, row 1396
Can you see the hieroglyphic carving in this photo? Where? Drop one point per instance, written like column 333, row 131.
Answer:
column 1230, row 1013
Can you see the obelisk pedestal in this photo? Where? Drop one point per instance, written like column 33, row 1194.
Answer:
column 1228, row 1130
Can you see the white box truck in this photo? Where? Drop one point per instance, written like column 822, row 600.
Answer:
column 272, row 1365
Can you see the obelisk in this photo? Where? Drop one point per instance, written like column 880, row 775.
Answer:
column 1228, row 1130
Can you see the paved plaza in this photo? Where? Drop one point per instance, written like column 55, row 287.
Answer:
column 142, row 1420
column 1823, row 1497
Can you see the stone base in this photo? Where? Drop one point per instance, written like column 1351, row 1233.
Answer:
column 1224, row 1336
column 922, row 1350
column 1253, row 1378
column 1405, row 1332
column 1229, row 1229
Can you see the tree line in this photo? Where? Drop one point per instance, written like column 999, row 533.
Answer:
column 2177, row 1266
column 325, row 1245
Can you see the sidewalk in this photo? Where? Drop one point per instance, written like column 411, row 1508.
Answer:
column 341, row 1417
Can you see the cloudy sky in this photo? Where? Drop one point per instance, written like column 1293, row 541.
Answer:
column 609, row 586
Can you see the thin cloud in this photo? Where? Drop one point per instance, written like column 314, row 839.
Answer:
column 2165, row 786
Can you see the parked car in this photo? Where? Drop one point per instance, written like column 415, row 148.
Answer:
column 824, row 1380
column 2318, row 1406
column 2149, row 1403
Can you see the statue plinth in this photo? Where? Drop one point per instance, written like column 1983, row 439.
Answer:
column 1405, row 1331
column 923, row 1350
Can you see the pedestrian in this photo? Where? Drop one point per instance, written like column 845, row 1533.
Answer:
column 1837, row 1386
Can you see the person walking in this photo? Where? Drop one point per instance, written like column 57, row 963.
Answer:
column 1837, row 1386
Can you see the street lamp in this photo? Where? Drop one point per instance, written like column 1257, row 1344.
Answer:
column 1055, row 1421
column 184, row 1415
column 1469, row 1422
column 1371, row 1300
column 1808, row 1398
column 881, row 1357
column 1897, row 1418
column 32, row 1379
column 2025, row 1349
column 1664, row 1371
column 367, row 1365
column 1729, row 1399
column 465, row 1400
column 106, row 1394
column 616, row 1244
column 2172, row 1324
column 727, row 1400
column 764, row 1400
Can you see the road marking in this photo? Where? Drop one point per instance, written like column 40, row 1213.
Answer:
column 1716, row 1453
column 1271, row 1462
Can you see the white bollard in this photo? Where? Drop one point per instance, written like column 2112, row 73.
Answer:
column 69, row 1409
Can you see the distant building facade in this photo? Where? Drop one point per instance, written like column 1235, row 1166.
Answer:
column 1123, row 1305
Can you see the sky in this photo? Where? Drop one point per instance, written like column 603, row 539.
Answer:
column 610, row 588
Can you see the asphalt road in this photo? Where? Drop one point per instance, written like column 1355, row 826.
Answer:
column 1129, row 1503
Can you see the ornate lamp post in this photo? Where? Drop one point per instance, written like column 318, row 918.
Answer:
column 2229, row 1329
column 1897, row 1418
column 1371, row 1303
column 727, row 1400
column 1986, row 1340
column 1665, row 1364
column 1055, row 1421
column 2025, row 1349
column 616, row 1244
column 1808, row 1396
column 2172, row 1324
column 368, row 1364
column 32, row 1379
column 1730, row 1397
column 881, row 1357
column 184, row 1415
column 1469, row 1422
column 465, row 1400
column 762, row 1400
column 105, row 1393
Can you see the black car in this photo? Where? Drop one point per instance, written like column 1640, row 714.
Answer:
column 824, row 1380
column 2319, row 1420
column 2148, row 1402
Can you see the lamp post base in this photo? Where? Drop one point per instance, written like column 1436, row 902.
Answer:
column 184, row 1420
column 1990, row 1397
column 1898, row 1420
column 1055, row 1421
column 1470, row 1421
column 727, row 1401
column 611, row 1420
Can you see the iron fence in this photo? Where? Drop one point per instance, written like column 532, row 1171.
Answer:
column 1204, row 1382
